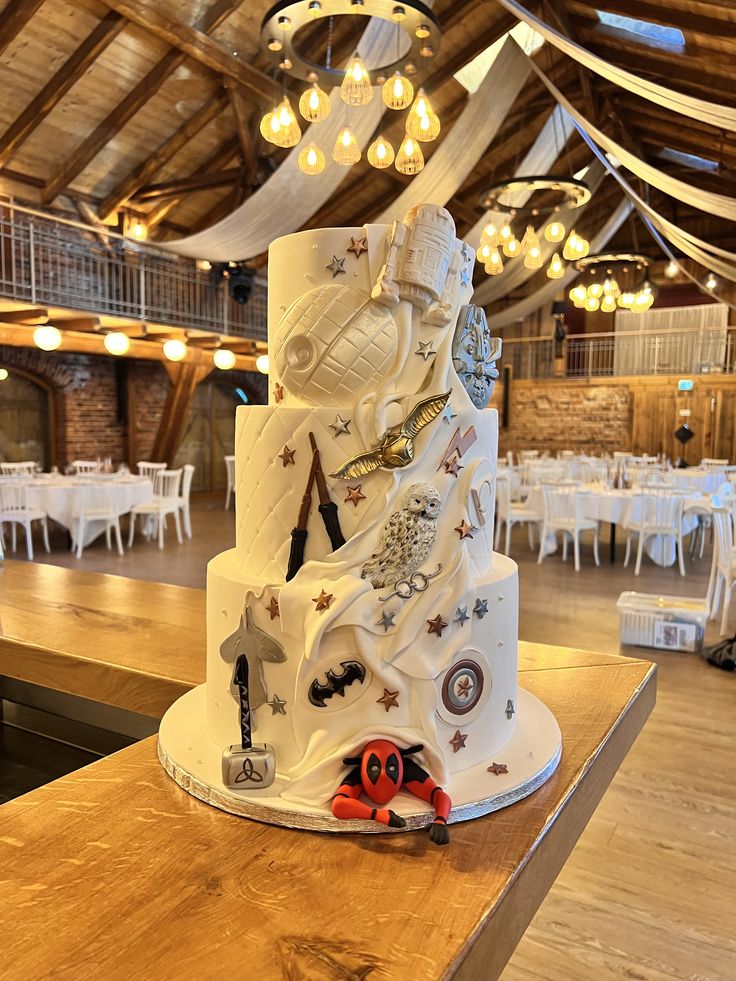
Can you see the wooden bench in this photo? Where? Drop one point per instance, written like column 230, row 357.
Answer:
column 115, row 872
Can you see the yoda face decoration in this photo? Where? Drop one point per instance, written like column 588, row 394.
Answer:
column 474, row 353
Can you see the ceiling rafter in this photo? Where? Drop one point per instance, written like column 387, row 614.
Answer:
column 242, row 122
column 14, row 18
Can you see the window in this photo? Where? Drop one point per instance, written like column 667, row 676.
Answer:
column 691, row 160
column 645, row 30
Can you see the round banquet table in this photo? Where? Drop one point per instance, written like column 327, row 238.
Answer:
column 622, row 507
column 56, row 495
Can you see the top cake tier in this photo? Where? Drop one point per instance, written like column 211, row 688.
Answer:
column 349, row 309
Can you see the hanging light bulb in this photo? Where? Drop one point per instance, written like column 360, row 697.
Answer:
column 592, row 304
column 608, row 304
column 556, row 268
column 483, row 253
column 582, row 247
column 494, row 265
column 569, row 250
column 409, row 159
column 397, row 91
column 595, row 290
column 346, row 150
column 610, row 287
column 175, row 350
column 511, row 247
column 224, row 359
column 263, row 364
column 48, row 338
column 530, row 242
column 270, row 126
column 626, row 300
column 555, row 231
column 671, row 269
column 311, row 160
column 505, row 234
column 533, row 258
column 423, row 123
column 381, row 153
column 117, row 343
column 578, row 294
column 356, row 88
column 314, row 104
column 490, row 234
column 711, row 282
column 287, row 133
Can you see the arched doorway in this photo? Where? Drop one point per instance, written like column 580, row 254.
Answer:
column 209, row 435
column 26, row 418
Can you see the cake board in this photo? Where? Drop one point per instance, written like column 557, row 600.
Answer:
column 193, row 761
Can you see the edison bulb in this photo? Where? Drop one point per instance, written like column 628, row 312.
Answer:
column 346, row 150
column 483, row 253
column 555, row 231
column 3, row 374
column 494, row 265
column 397, row 92
column 533, row 258
column 578, row 294
column 224, row 359
column 512, row 247
column 625, row 301
column 423, row 123
column 356, row 88
column 569, row 250
column 556, row 268
column 490, row 234
column 175, row 350
column 505, row 234
column 117, row 343
column 409, row 159
column 592, row 304
column 595, row 290
column 380, row 153
column 311, row 160
column 608, row 304
column 48, row 338
column 314, row 104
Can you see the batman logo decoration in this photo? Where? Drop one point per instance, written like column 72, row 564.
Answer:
column 336, row 684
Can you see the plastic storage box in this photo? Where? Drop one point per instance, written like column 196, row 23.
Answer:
column 670, row 623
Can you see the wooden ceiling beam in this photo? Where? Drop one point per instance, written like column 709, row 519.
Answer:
column 56, row 88
column 559, row 13
column 149, row 167
column 130, row 105
column 26, row 316
column 15, row 16
column 242, row 123
column 194, row 43
column 187, row 185
column 666, row 14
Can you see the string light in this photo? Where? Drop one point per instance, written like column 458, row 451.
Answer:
column 494, row 266
column 409, row 159
column 711, row 282
column 175, row 350
column 556, row 268
column 397, row 92
column 555, row 231
column 117, row 343
column 263, row 364
column 422, row 123
column 224, row 359
column 3, row 374
column 511, row 247
column 356, row 88
column 592, row 304
column 380, row 153
column 314, row 104
column 490, row 235
column 48, row 338
column 346, row 150
column 671, row 269
column 311, row 160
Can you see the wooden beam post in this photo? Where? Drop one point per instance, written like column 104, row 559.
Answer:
column 184, row 378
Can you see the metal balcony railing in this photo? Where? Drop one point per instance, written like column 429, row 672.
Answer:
column 670, row 352
column 48, row 260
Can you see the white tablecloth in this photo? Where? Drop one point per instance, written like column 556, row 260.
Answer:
column 57, row 497
column 623, row 507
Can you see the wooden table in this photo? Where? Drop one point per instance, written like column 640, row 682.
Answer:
column 114, row 872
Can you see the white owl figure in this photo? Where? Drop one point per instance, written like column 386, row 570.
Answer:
column 407, row 538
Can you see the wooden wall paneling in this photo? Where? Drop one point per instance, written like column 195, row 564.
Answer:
column 62, row 81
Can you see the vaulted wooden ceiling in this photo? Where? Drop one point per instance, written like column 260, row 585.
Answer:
column 108, row 105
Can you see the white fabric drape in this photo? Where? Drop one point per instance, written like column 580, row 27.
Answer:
column 542, row 154
column 547, row 293
column 289, row 198
column 515, row 272
column 724, row 117
column 682, row 351
column 469, row 137
column 708, row 201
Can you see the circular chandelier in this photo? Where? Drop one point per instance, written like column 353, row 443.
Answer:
column 498, row 236
column 613, row 280
column 418, row 38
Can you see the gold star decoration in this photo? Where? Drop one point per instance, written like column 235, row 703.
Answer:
column 273, row 608
column 355, row 494
column 287, row 456
column 278, row 392
column 453, row 466
column 437, row 625
column 458, row 740
column 323, row 600
column 389, row 699
column 497, row 768
column 358, row 246
column 464, row 687
column 465, row 530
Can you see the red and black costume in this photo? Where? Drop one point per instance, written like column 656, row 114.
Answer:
column 380, row 772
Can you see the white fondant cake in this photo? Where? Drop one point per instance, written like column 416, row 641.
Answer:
column 408, row 631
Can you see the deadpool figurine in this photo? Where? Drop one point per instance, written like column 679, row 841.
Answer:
column 380, row 772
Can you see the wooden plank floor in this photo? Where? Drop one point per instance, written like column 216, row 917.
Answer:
column 648, row 893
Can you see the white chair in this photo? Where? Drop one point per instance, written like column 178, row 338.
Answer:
column 186, row 489
column 511, row 513
column 660, row 514
column 25, row 469
column 723, row 569
column 230, row 465
column 94, row 502
column 165, row 502
column 86, row 466
column 149, row 470
column 15, row 511
column 711, row 463
column 562, row 512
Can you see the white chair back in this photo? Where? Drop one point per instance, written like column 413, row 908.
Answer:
column 12, row 496
column 661, row 507
column 86, row 466
column 94, row 498
column 149, row 470
column 723, row 531
column 24, row 469
column 561, row 502
column 168, row 484
column 186, row 483
column 711, row 463
column 503, row 495
column 509, row 458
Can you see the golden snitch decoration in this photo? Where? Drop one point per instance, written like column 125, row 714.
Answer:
column 397, row 445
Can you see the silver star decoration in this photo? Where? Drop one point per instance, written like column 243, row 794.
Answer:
column 425, row 350
column 464, row 277
column 278, row 705
column 461, row 615
column 340, row 425
column 337, row 266
column 510, row 708
column 481, row 608
column 386, row 621
column 448, row 415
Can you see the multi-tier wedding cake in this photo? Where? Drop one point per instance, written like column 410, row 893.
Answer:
column 362, row 634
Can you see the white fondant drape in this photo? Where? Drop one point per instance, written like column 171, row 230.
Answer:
column 469, row 137
column 289, row 198
column 709, row 201
column 515, row 272
column 724, row 117
column 547, row 293
column 542, row 154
